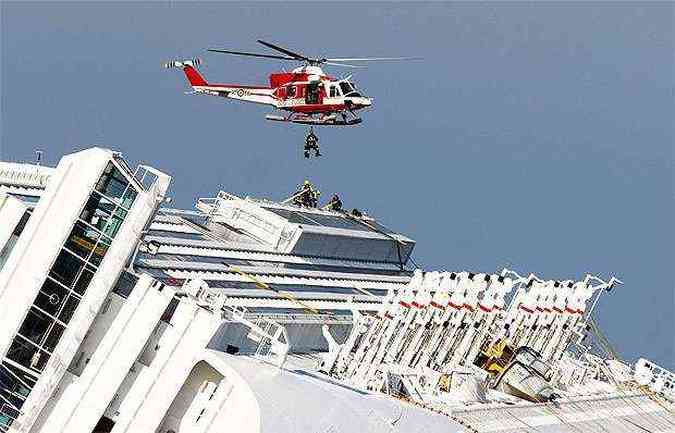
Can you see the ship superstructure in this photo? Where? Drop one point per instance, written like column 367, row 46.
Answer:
column 120, row 314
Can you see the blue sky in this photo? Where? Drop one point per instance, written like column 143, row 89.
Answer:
column 534, row 136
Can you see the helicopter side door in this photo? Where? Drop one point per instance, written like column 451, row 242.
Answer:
column 313, row 93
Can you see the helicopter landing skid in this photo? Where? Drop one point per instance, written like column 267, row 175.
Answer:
column 331, row 120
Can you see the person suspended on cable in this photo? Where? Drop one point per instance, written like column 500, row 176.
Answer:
column 311, row 143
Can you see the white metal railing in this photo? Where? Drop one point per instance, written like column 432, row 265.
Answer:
column 270, row 336
column 442, row 321
column 30, row 175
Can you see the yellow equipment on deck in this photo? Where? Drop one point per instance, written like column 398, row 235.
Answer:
column 495, row 359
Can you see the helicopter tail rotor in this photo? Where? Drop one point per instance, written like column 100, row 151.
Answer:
column 194, row 62
column 189, row 67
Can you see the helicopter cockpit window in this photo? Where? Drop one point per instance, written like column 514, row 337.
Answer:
column 290, row 93
column 334, row 92
column 348, row 89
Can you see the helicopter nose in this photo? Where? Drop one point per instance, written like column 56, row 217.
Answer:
column 360, row 102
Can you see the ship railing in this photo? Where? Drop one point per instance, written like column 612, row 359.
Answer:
column 211, row 205
column 270, row 337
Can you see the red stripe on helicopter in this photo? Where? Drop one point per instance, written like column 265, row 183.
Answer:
column 238, row 86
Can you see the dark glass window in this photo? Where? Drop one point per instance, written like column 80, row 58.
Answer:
column 84, row 279
column 97, row 211
column 51, row 297
column 101, row 213
column 27, row 354
column 125, row 284
column 66, row 268
column 129, row 198
column 8, row 415
column 115, row 223
column 100, row 251
column 69, row 309
column 82, row 240
column 113, row 184
column 23, row 378
column 35, row 325
column 15, row 385
column 53, row 337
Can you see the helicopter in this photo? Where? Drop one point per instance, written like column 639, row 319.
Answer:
column 306, row 95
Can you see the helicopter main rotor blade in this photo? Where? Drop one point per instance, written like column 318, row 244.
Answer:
column 344, row 65
column 285, row 51
column 370, row 59
column 243, row 53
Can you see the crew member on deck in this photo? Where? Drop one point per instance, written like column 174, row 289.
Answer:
column 335, row 204
column 306, row 195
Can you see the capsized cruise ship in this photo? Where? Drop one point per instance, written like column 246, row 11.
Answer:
column 121, row 314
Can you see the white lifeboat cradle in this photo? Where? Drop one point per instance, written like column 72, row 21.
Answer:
column 424, row 343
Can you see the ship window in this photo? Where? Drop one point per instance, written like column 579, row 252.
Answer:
column 35, row 326
column 25, row 353
column 82, row 240
column 115, row 222
column 69, row 309
column 99, row 252
column 125, row 284
column 66, row 268
column 84, row 279
column 113, row 184
column 53, row 337
column 7, row 415
column 101, row 213
column 51, row 297
column 15, row 380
